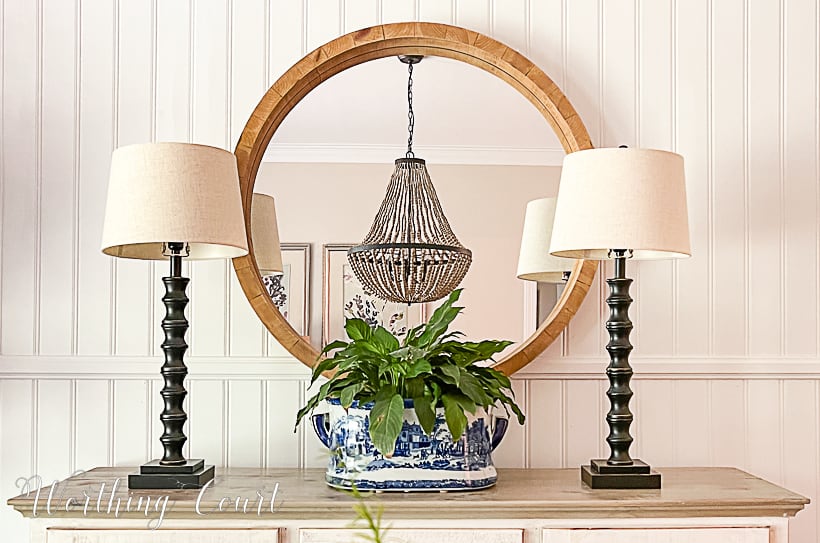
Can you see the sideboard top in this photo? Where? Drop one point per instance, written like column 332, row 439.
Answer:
column 520, row 493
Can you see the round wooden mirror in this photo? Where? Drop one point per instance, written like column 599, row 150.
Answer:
column 427, row 39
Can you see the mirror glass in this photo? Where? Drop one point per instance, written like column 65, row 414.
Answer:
column 488, row 152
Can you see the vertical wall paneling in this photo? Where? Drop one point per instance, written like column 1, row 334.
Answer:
column 397, row 11
column 800, row 186
column 21, row 175
column 583, row 420
column 131, row 422
column 210, row 113
column 545, row 424
column 654, row 290
column 728, row 188
column 323, row 22
column 286, row 32
column 360, row 14
column 727, row 423
column 763, row 155
column 283, row 446
column 691, row 424
column 474, row 14
column 693, row 135
column 206, row 426
column 17, row 423
column 55, row 429
column 97, row 107
column 436, row 11
column 92, row 414
column 582, row 85
column 547, row 30
column 244, row 424
column 58, row 126
column 248, row 83
column 764, row 406
column 655, row 435
column 248, row 61
column 620, row 84
column 800, row 451
column 136, row 83
column 512, row 452
column 174, row 70
column 510, row 23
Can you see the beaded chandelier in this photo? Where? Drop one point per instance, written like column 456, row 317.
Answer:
column 410, row 254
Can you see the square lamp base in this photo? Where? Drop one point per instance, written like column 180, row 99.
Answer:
column 191, row 474
column 639, row 475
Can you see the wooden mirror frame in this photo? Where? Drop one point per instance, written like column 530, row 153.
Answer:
column 430, row 39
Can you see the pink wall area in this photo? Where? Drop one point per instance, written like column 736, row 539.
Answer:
column 336, row 203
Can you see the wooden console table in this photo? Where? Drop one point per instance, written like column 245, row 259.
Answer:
column 697, row 505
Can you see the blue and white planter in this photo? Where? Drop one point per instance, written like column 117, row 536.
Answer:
column 420, row 462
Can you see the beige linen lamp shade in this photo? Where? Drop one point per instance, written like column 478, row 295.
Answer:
column 621, row 198
column 265, row 234
column 534, row 261
column 173, row 192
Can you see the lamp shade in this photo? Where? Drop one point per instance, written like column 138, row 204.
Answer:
column 621, row 198
column 173, row 192
column 534, row 261
column 265, row 234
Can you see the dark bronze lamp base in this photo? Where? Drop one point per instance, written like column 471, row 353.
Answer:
column 638, row 475
column 191, row 474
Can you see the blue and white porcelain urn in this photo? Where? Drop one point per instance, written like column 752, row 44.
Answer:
column 420, row 462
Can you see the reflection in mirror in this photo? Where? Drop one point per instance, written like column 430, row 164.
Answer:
column 265, row 235
column 487, row 148
column 534, row 261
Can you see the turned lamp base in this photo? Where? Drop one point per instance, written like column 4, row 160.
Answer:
column 638, row 475
column 191, row 474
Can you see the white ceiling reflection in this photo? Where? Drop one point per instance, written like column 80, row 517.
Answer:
column 464, row 115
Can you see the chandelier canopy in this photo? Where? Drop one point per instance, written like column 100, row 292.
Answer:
column 411, row 254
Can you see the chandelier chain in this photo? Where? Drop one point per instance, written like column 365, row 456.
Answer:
column 411, row 117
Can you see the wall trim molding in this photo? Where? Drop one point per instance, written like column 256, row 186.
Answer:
column 285, row 367
column 434, row 154
column 147, row 367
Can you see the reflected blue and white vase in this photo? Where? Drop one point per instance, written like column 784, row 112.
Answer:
column 420, row 461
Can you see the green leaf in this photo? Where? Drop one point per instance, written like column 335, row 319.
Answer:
column 472, row 388
column 384, row 340
column 357, row 329
column 417, row 368
column 440, row 319
column 386, row 420
column 338, row 344
column 425, row 413
column 454, row 416
column 453, row 372
column 414, row 387
column 348, row 393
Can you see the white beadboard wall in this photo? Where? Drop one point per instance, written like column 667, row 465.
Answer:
column 727, row 342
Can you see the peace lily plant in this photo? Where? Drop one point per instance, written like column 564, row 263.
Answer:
column 428, row 366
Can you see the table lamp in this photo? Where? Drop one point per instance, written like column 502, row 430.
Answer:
column 173, row 201
column 265, row 234
column 535, row 263
column 620, row 204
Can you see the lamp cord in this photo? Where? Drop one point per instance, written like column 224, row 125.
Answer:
column 411, row 118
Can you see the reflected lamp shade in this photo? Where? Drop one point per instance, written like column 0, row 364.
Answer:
column 621, row 198
column 265, row 234
column 173, row 192
column 534, row 261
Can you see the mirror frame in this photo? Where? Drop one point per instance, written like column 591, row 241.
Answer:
column 429, row 39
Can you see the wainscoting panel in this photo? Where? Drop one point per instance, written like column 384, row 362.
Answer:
column 727, row 341
column 55, row 425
